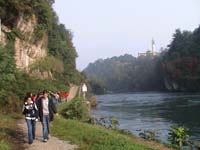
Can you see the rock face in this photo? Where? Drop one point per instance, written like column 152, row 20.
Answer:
column 27, row 50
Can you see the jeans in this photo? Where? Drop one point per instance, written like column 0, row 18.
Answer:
column 45, row 126
column 31, row 130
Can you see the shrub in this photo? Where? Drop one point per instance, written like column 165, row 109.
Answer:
column 39, row 31
column 49, row 63
column 76, row 109
column 178, row 136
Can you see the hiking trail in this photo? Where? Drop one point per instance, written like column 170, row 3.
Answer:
column 52, row 144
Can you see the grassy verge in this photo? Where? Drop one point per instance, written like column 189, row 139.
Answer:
column 90, row 137
column 94, row 137
column 8, row 131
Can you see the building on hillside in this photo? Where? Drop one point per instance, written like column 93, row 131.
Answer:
column 151, row 52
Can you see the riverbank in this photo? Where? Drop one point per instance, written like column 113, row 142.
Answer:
column 89, row 137
column 86, row 136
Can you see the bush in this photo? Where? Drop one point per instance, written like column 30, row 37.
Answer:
column 76, row 109
column 39, row 31
column 49, row 63
column 178, row 136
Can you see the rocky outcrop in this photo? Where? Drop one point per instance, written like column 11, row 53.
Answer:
column 27, row 49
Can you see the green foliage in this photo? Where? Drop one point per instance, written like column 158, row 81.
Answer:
column 14, row 84
column 26, row 83
column 114, row 122
column 60, row 45
column 125, row 73
column 178, row 136
column 39, row 31
column 97, row 85
column 12, row 9
column 49, row 63
column 15, row 32
column 60, row 61
column 7, row 71
column 180, row 64
column 4, row 145
column 44, row 12
column 90, row 137
column 76, row 109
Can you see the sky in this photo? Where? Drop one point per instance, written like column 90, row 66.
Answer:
column 107, row 28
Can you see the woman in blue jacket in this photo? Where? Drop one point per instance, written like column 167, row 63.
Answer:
column 31, row 116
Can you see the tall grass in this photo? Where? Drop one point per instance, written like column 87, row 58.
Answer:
column 90, row 137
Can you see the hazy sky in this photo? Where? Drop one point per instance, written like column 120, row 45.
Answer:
column 106, row 28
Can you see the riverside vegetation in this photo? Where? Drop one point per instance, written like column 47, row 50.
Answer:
column 75, row 125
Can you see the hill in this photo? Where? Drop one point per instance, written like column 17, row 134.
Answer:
column 126, row 73
column 177, row 68
column 36, row 51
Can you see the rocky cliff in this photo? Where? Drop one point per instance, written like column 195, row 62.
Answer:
column 27, row 49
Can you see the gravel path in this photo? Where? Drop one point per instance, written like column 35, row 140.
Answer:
column 52, row 144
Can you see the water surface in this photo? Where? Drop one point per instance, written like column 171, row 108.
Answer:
column 152, row 111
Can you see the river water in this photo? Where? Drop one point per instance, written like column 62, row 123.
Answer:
column 152, row 111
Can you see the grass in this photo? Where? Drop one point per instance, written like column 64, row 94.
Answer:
column 90, row 137
column 4, row 145
column 8, row 130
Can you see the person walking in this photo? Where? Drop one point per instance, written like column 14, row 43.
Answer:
column 30, row 111
column 66, row 94
column 60, row 96
column 46, row 109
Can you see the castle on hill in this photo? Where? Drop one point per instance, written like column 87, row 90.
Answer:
column 151, row 52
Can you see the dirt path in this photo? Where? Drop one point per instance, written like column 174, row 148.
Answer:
column 52, row 144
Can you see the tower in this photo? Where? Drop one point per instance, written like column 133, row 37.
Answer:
column 153, row 48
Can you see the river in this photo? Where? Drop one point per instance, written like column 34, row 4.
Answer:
column 152, row 111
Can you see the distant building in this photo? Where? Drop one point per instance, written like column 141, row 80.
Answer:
column 151, row 52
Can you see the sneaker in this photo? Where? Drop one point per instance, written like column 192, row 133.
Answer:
column 45, row 140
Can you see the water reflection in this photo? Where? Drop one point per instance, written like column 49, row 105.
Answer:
column 183, row 111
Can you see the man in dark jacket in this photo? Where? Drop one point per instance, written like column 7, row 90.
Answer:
column 46, row 109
